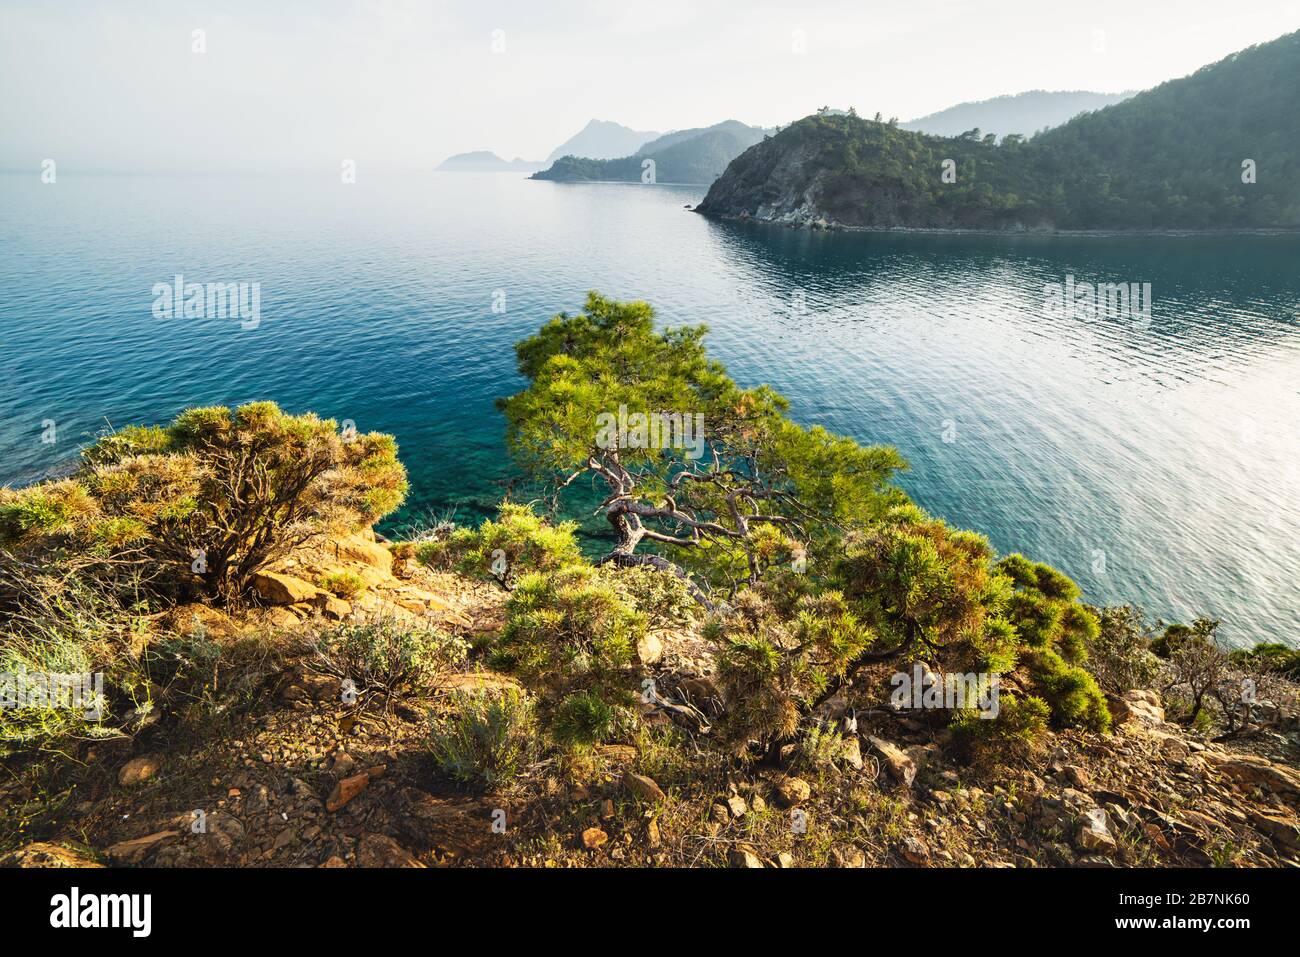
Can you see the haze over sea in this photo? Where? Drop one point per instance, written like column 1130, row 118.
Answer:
column 1154, row 463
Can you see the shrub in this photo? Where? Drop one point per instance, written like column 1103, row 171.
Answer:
column 1269, row 657
column 584, row 719
column 1014, row 734
column 55, row 626
column 1120, row 655
column 1070, row 691
column 663, row 597
column 486, row 739
column 570, row 629
column 211, row 498
column 387, row 657
column 771, row 668
column 520, row 541
column 344, row 584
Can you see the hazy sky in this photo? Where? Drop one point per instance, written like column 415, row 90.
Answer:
column 116, row 85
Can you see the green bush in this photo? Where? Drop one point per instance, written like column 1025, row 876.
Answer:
column 1016, row 731
column 584, row 719
column 210, row 499
column 486, row 739
column 387, row 657
column 519, row 540
column 771, row 668
column 1070, row 691
column 570, row 628
column 344, row 584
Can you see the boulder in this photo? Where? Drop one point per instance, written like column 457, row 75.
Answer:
column 365, row 551
column 280, row 589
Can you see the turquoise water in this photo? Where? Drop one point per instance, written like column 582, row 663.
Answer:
column 1154, row 462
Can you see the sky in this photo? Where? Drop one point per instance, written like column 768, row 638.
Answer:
column 119, row 86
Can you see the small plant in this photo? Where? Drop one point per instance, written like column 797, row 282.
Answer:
column 344, row 584
column 387, row 657
column 519, row 542
column 1015, row 733
column 486, row 739
column 1120, row 655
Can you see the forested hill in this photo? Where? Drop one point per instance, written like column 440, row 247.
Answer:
column 686, row 156
column 1173, row 157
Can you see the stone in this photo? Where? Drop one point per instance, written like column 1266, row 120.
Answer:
column 847, row 855
column 1285, row 832
column 1248, row 771
column 280, row 589
column 737, row 806
column 42, row 854
column 643, row 788
column 333, row 608
column 346, row 790
column 792, row 791
column 785, row 860
column 135, row 850
column 380, row 850
column 743, row 857
column 649, row 649
column 1138, row 706
column 914, row 850
column 900, row 767
column 851, row 753
column 359, row 549
column 138, row 770
column 593, row 838
column 1093, row 832
column 1077, row 776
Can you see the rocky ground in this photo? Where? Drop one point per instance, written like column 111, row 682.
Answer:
column 296, row 777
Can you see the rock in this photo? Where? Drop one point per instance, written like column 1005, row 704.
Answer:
column 785, row 860
column 359, row 549
column 1285, row 832
column 380, row 850
column 743, row 857
column 1077, row 776
column 847, row 855
column 333, row 861
column 196, row 620
column 346, row 790
column 1093, row 832
column 914, row 850
column 643, row 788
column 459, row 828
column 792, row 791
column 1141, row 707
column 333, row 608
column 135, row 850
column 281, row 589
column 901, row 767
column 138, row 770
column 42, row 854
column 737, row 806
column 1247, row 770
column 851, row 753
column 593, row 838
column 650, row 649
column 652, row 837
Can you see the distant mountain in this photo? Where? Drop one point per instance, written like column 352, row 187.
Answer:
column 685, row 156
column 1023, row 113
column 1219, row 149
column 484, row 161
column 602, row 139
